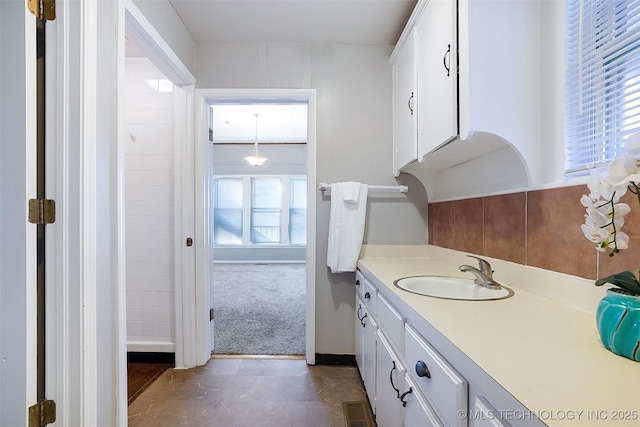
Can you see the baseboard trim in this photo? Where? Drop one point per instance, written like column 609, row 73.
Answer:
column 151, row 347
column 149, row 357
column 336, row 359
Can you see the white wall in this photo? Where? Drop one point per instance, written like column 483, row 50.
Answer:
column 354, row 136
column 149, row 207
column 286, row 159
column 164, row 19
column 552, row 96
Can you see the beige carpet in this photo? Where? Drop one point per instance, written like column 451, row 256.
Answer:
column 259, row 308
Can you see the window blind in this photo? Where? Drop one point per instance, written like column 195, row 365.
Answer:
column 602, row 80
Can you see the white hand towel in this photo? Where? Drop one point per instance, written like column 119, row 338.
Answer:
column 351, row 191
column 346, row 226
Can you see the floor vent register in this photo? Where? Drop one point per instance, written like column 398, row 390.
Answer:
column 356, row 414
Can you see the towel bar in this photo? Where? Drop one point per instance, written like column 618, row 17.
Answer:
column 402, row 188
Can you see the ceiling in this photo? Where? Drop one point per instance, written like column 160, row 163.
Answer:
column 368, row 22
column 375, row 22
column 279, row 123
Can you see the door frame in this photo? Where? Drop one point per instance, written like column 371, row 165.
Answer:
column 139, row 30
column 205, row 97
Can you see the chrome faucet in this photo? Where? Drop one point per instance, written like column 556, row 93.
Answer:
column 484, row 275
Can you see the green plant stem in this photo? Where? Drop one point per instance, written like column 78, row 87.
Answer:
column 615, row 249
column 633, row 187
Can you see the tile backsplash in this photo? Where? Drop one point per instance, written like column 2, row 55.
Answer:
column 538, row 228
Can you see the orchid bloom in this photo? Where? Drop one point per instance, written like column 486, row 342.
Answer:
column 605, row 215
column 603, row 222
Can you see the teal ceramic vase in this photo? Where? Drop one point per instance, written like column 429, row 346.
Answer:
column 618, row 319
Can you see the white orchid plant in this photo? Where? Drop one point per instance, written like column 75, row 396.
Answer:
column 605, row 213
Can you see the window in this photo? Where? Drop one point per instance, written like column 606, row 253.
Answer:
column 227, row 211
column 266, row 196
column 260, row 210
column 298, row 211
column 602, row 80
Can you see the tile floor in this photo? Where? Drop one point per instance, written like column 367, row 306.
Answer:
column 248, row 392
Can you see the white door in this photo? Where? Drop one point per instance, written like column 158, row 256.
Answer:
column 17, row 236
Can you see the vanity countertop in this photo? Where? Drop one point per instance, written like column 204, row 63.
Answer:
column 547, row 354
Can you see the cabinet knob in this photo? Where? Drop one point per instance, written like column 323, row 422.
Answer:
column 367, row 295
column 422, row 370
column 357, row 282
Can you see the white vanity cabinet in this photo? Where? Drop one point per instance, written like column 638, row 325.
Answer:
column 415, row 377
column 366, row 328
column 396, row 396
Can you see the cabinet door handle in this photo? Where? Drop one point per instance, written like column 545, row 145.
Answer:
column 362, row 322
column 404, row 402
column 422, row 370
column 410, row 103
column 444, row 60
column 367, row 295
column 358, row 312
column 391, row 379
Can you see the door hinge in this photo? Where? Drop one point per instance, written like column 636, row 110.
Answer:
column 210, row 314
column 42, row 211
column 42, row 413
column 210, row 135
column 43, row 9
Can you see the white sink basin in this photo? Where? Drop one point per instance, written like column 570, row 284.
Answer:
column 451, row 288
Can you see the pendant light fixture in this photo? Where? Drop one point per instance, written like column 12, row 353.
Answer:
column 255, row 159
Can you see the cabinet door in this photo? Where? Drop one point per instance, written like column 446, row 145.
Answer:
column 445, row 388
column 417, row 412
column 368, row 370
column 436, row 57
column 390, row 375
column 359, row 328
column 485, row 415
column 405, row 103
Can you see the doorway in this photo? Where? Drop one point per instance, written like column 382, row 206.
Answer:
column 259, row 226
column 211, row 97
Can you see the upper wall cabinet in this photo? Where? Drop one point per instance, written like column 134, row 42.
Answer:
column 425, row 84
column 477, row 90
column 437, row 65
column 405, row 138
